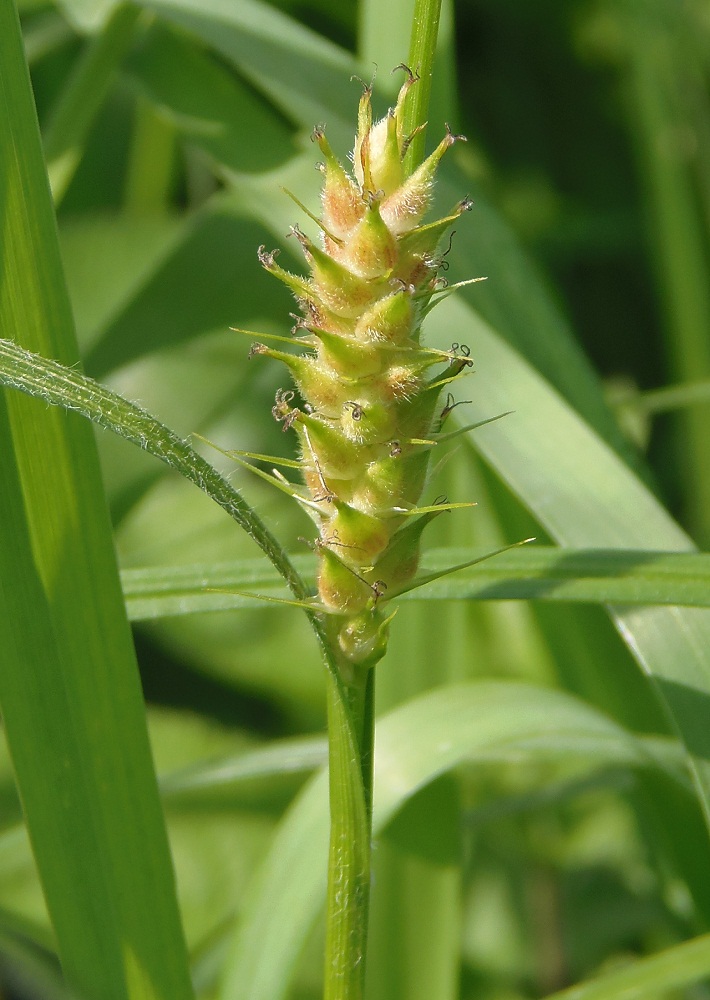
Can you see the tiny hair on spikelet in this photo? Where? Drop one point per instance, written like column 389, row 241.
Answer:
column 370, row 412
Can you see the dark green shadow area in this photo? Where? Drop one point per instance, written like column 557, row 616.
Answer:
column 693, row 707
column 200, row 287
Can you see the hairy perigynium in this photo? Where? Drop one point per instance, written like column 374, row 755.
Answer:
column 370, row 413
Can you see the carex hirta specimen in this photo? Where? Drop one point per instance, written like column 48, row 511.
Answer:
column 369, row 410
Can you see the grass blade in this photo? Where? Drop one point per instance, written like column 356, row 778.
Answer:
column 415, row 743
column 68, row 388
column 71, row 698
column 539, row 572
column 583, row 494
column 83, row 96
column 671, row 969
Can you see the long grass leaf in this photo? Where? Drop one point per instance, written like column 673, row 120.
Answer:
column 481, row 721
column 584, row 495
column 68, row 388
column 71, row 699
column 538, row 572
column 81, row 99
column 682, row 965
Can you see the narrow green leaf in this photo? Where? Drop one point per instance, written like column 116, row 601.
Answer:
column 414, row 950
column 281, row 757
column 422, row 49
column 536, row 572
column 584, row 495
column 71, row 699
column 83, row 95
column 483, row 721
column 682, row 965
column 598, row 575
column 68, row 388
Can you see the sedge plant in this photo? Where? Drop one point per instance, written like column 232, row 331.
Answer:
column 368, row 416
column 368, row 409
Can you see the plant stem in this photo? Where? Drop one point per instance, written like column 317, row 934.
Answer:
column 351, row 702
column 350, row 744
column 422, row 48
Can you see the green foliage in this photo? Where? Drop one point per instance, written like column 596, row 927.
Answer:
column 541, row 803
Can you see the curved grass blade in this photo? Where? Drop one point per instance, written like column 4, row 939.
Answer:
column 279, row 758
column 484, row 721
column 682, row 965
column 584, row 495
column 66, row 387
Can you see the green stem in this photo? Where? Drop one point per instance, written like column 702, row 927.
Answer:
column 351, row 706
column 422, row 49
column 350, row 746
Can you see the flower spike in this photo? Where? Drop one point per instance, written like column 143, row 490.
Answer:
column 370, row 414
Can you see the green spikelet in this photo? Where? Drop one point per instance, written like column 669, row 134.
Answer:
column 368, row 420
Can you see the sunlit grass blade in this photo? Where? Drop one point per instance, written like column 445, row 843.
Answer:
column 666, row 93
column 68, row 388
column 417, row 917
column 656, row 975
column 584, row 495
column 415, row 744
column 536, row 572
column 71, row 699
column 227, row 777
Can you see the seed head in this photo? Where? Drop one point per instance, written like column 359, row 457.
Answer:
column 369, row 416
